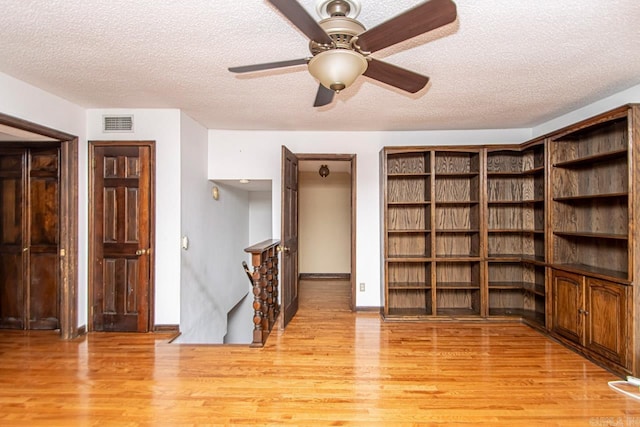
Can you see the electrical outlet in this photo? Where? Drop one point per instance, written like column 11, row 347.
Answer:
column 361, row 287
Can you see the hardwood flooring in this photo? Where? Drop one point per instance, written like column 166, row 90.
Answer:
column 330, row 367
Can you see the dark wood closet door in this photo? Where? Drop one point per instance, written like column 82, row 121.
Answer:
column 29, row 239
column 44, row 290
column 121, row 238
column 12, row 302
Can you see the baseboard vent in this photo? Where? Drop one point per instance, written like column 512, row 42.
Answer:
column 120, row 123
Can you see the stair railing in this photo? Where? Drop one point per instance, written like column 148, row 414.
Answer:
column 264, row 282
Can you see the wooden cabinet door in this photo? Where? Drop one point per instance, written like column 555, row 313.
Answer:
column 567, row 305
column 607, row 325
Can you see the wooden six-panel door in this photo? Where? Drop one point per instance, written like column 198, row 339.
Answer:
column 29, row 238
column 121, row 268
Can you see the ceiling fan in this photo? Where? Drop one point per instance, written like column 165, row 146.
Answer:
column 341, row 46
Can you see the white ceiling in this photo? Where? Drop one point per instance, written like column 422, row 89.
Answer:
column 502, row 64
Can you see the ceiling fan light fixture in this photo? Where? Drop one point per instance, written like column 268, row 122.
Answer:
column 337, row 69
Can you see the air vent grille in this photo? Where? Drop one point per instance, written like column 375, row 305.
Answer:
column 117, row 123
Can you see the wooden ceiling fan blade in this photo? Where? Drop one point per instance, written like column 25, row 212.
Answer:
column 268, row 65
column 299, row 17
column 323, row 97
column 418, row 20
column 395, row 76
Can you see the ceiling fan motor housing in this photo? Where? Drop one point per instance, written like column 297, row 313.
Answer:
column 339, row 64
column 341, row 30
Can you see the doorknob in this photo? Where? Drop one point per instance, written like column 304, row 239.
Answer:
column 282, row 248
column 143, row 252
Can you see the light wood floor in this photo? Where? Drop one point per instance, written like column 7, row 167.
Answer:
column 330, row 367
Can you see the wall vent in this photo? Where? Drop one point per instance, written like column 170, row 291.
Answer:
column 117, row 123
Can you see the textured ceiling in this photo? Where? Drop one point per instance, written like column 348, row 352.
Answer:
column 502, row 64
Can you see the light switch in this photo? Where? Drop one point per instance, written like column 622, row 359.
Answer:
column 185, row 242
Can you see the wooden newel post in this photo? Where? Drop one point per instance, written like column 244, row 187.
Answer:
column 264, row 260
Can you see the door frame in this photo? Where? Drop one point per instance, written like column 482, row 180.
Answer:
column 152, row 224
column 67, row 221
column 351, row 158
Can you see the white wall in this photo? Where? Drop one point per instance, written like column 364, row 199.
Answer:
column 162, row 126
column 629, row 96
column 324, row 222
column 21, row 100
column 212, row 279
column 257, row 155
column 260, row 217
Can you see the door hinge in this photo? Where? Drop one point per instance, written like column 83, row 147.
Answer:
column 62, row 252
column 94, row 162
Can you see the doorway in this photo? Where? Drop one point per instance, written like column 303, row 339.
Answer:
column 62, row 255
column 323, row 262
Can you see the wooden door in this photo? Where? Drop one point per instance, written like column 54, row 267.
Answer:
column 29, row 239
column 43, row 304
column 607, row 313
column 289, row 238
column 567, row 305
column 121, row 206
column 12, row 254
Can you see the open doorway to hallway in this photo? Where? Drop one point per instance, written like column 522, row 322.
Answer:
column 326, row 232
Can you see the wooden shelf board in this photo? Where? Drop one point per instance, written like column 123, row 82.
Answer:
column 589, row 160
column 533, row 288
column 514, row 231
column 530, row 315
column 409, row 258
column 458, row 230
column 409, row 175
column 534, row 259
column 457, row 258
column 456, row 312
column 507, row 174
column 409, row 203
column 456, row 174
column 456, row 202
column 526, row 258
column 590, row 235
column 534, row 171
column 397, row 286
column 514, row 202
column 407, row 312
column 457, row 286
column 589, row 270
column 588, row 197
column 409, row 231
column 504, row 257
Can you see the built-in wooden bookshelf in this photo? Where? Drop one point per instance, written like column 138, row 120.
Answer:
column 432, row 210
column 590, row 199
column 457, row 232
column 409, row 233
column 594, row 241
column 516, row 232
column 545, row 232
